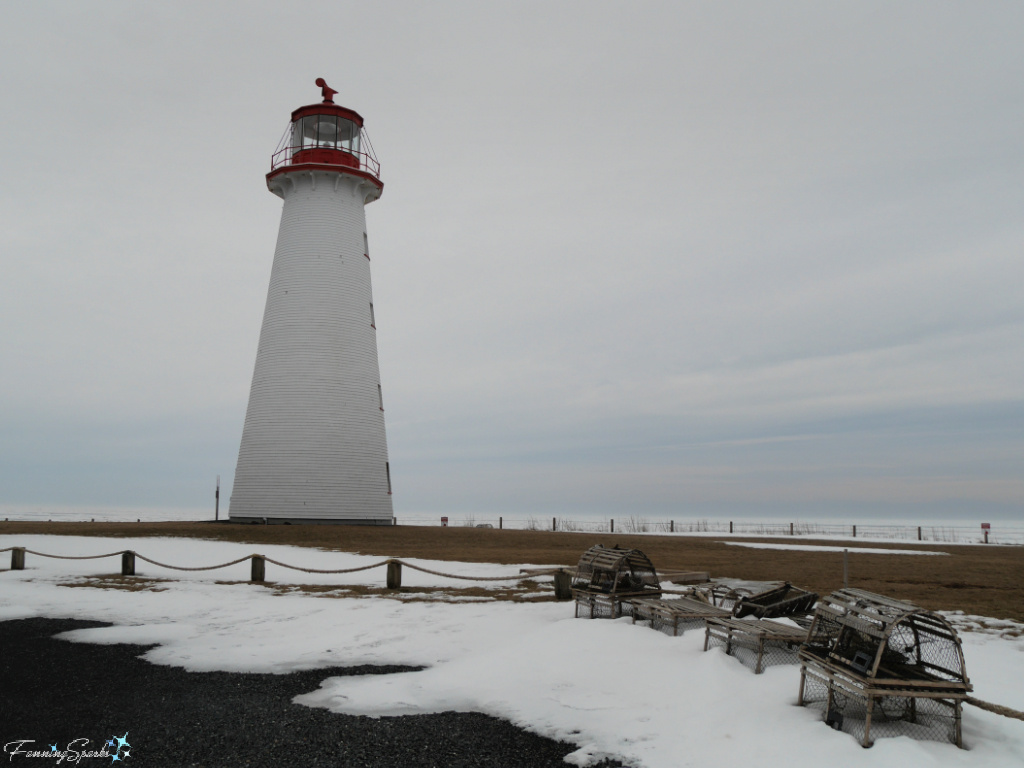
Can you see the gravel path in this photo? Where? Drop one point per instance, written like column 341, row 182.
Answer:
column 54, row 691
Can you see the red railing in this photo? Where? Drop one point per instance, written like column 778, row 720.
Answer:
column 343, row 158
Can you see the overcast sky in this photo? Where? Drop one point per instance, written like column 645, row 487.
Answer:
column 698, row 259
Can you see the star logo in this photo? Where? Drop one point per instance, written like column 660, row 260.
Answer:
column 121, row 743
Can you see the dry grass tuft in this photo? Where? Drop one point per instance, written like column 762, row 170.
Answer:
column 117, row 581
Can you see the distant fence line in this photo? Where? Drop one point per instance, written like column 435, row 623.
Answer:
column 997, row 534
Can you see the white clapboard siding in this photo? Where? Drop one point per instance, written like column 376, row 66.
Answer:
column 313, row 446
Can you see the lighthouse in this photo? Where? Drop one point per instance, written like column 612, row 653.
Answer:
column 313, row 448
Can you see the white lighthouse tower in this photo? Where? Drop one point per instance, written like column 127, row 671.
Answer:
column 313, row 446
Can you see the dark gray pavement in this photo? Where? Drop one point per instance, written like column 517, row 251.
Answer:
column 54, row 692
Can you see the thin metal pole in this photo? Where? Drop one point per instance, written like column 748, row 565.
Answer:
column 216, row 501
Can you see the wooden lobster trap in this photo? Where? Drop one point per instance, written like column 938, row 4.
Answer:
column 674, row 616
column 784, row 600
column 882, row 667
column 749, row 633
column 757, row 643
column 608, row 578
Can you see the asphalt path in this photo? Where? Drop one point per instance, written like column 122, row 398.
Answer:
column 79, row 696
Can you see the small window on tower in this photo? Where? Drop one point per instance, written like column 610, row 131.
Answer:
column 380, row 397
column 366, row 246
column 387, row 470
column 373, row 321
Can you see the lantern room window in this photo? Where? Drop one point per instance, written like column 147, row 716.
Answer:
column 325, row 132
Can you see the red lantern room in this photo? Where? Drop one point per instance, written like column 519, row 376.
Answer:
column 326, row 137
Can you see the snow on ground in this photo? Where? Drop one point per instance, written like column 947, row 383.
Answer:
column 822, row 548
column 609, row 687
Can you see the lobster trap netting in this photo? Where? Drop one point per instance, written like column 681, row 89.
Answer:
column 752, row 653
column 846, row 709
column 926, row 648
column 675, row 625
column 824, row 629
column 672, row 625
column 591, row 605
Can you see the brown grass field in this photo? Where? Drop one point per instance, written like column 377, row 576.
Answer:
column 987, row 580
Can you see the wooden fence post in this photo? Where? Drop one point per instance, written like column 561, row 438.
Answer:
column 563, row 586
column 730, row 526
column 612, row 526
column 855, row 531
column 919, row 533
column 128, row 563
column 394, row 574
column 499, row 523
column 790, row 529
column 554, row 526
column 18, row 559
column 259, row 569
column 671, row 526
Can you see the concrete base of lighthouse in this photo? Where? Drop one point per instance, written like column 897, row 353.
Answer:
column 313, row 448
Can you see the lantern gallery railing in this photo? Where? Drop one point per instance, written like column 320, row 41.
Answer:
column 324, row 155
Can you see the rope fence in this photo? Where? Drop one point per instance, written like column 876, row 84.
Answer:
column 394, row 566
column 181, row 567
column 321, row 570
column 67, row 557
column 530, row 575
